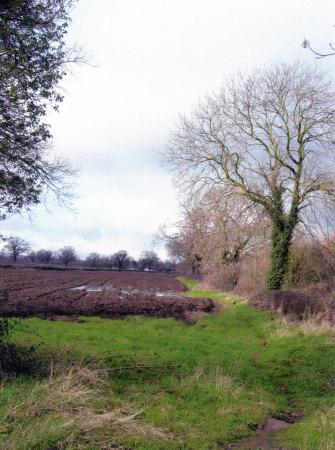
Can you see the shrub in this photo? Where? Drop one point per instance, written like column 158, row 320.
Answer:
column 296, row 305
column 13, row 359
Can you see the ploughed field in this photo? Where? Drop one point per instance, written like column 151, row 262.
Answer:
column 68, row 294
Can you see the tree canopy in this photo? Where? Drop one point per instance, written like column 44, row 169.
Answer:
column 33, row 61
column 15, row 246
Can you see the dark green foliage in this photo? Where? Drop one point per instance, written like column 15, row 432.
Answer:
column 5, row 327
column 13, row 359
column 281, row 241
column 283, row 225
column 5, row 324
column 33, row 59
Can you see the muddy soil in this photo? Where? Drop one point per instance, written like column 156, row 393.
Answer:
column 265, row 437
column 108, row 304
column 68, row 295
column 20, row 279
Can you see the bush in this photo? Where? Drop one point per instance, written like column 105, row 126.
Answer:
column 296, row 305
column 13, row 359
column 5, row 324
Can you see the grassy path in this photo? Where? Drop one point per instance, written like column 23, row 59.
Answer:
column 214, row 382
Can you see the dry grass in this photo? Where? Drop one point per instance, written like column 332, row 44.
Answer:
column 327, row 419
column 65, row 394
column 313, row 324
column 68, row 401
column 217, row 377
column 125, row 421
column 316, row 324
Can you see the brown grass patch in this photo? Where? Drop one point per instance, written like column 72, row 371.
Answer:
column 69, row 401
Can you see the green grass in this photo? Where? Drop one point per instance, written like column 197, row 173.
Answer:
column 194, row 291
column 216, row 379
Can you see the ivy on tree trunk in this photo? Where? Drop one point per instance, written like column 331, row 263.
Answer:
column 281, row 241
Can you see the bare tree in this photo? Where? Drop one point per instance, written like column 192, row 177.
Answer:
column 318, row 54
column 216, row 230
column 120, row 260
column 16, row 246
column 67, row 255
column 93, row 259
column 188, row 240
column 149, row 260
column 269, row 136
column 133, row 264
column 32, row 256
column 44, row 256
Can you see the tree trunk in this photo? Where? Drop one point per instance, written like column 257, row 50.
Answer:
column 281, row 241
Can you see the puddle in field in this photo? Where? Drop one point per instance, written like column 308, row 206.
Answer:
column 79, row 288
column 124, row 292
column 86, row 288
column 156, row 293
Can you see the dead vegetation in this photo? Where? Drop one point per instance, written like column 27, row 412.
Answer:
column 72, row 400
column 295, row 305
column 308, row 295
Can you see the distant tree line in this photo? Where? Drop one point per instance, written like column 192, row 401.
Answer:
column 17, row 249
column 121, row 260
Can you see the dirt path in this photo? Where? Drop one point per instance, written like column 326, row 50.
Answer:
column 265, row 438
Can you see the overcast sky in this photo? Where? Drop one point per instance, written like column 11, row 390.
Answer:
column 154, row 59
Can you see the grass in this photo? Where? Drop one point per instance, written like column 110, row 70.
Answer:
column 213, row 382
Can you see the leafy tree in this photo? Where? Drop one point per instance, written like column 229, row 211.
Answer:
column 33, row 60
column 15, row 246
column 270, row 137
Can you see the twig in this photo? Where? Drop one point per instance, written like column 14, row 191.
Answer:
column 141, row 367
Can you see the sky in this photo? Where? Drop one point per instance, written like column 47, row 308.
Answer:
column 152, row 60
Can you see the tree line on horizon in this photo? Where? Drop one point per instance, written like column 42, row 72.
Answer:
column 17, row 249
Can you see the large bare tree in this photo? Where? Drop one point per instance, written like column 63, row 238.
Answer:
column 269, row 135
column 67, row 255
column 15, row 246
column 120, row 259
